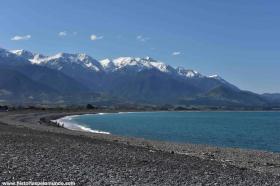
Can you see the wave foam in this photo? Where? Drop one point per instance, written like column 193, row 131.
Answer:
column 68, row 123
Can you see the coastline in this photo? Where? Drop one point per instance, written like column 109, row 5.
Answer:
column 67, row 123
column 75, row 122
column 260, row 162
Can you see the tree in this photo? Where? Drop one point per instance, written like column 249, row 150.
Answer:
column 89, row 106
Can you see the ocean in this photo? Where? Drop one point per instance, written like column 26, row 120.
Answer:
column 249, row 130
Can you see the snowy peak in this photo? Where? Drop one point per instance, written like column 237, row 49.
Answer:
column 6, row 53
column 64, row 59
column 60, row 60
column 159, row 65
column 124, row 63
column 27, row 54
column 188, row 73
column 137, row 64
column 9, row 58
column 162, row 67
column 23, row 53
column 108, row 65
column 215, row 76
column 80, row 57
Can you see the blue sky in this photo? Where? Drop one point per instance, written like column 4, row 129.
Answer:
column 239, row 40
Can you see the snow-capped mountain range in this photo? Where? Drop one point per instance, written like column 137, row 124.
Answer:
column 60, row 60
column 63, row 77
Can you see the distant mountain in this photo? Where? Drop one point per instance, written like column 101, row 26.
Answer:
column 10, row 59
column 138, row 80
column 81, row 67
column 226, row 94
column 273, row 99
column 14, row 85
column 45, row 76
column 23, row 80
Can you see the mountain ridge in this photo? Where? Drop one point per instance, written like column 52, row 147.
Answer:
column 139, row 80
column 117, row 63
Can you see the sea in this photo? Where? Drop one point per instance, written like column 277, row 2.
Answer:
column 248, row 130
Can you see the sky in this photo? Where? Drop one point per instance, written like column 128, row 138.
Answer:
column 238, row 40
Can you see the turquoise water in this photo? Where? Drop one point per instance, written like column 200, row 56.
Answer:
column 253, row 130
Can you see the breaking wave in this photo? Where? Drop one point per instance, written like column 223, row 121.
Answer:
column 69, row 123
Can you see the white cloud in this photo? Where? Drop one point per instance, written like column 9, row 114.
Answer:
column 65, row 33
column 94, row 37
column 62, row 34
column 176, row 53
column 142, row 38
column 18, row 38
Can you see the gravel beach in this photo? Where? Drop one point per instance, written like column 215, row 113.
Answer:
column 31, row 149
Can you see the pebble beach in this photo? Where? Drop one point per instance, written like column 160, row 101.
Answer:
column 32, row 148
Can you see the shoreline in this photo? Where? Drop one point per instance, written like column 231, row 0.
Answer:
column 260, row 161
column 66, row 122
